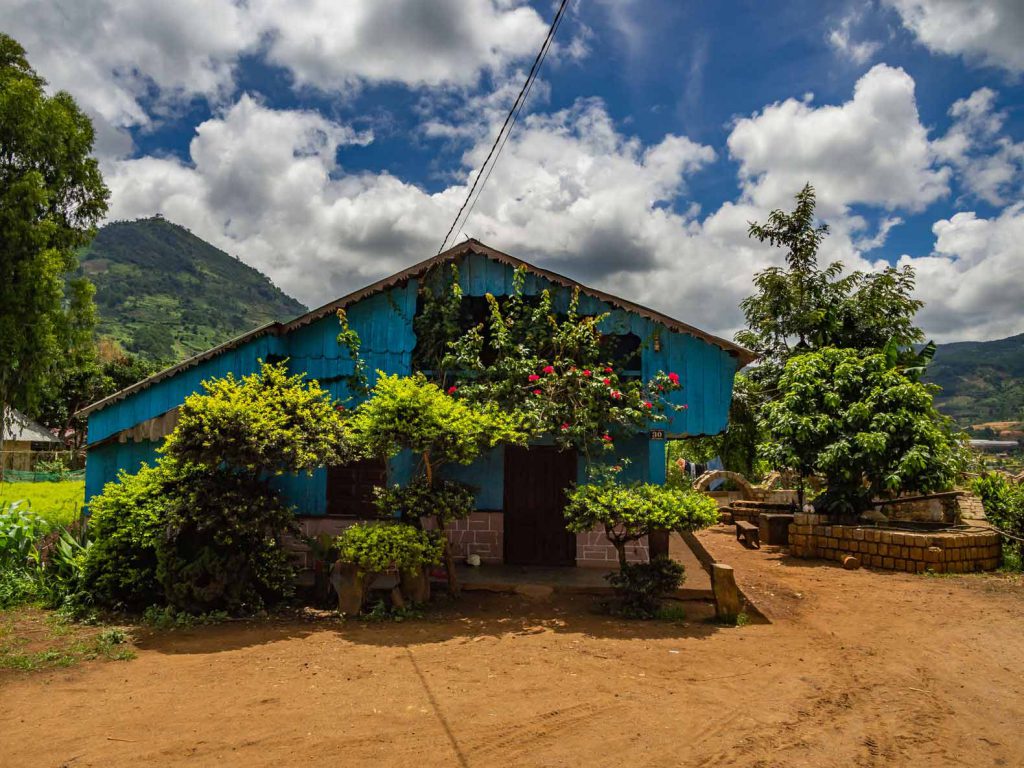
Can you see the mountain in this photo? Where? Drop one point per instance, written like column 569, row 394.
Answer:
column 166, row 294
column 982, row 381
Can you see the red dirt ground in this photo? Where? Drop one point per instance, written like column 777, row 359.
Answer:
column 852, row 669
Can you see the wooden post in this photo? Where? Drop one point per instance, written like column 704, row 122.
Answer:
column 727, row 596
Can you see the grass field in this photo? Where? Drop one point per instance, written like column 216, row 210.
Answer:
column 58, row 502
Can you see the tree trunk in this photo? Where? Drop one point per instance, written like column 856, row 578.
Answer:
column 449, row 562
column 620, row 546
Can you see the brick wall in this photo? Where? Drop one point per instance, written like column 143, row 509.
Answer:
column 813, row 536
column 593, row 550
column 482, row 533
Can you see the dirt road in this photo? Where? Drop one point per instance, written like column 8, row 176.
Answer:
column 852, row 669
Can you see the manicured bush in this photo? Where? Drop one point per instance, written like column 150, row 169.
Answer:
column 642, row 586
column 127, row 522
column 446, row 499
column 366, row 550
column 202, row 530
column 629, row 511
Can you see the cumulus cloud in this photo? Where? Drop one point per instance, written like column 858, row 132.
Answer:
column 990, row 164
column 332, row 45
column 130, row 64
column 983, row 31
column 872, row 149
column 266, row 185
column 125, row 62
column 973, row 281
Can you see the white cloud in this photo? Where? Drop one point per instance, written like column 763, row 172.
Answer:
column 990, row 164
column 973, row 282
column 841, row 38
column 985, row 31
column 129, row 64
column 333, row 46
column 871, row 150
column 574, row 193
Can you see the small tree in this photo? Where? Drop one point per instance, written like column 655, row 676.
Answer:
column 863, row 425
column 629, row 511
column 414, row 414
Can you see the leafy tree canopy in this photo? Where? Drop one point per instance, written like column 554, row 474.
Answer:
column 412, row 413
column 803, row 307
column 629, row 511
column 51, row 196
column 266, row 422
column 856, row 420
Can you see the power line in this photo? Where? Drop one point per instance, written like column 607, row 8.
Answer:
column 510, row 119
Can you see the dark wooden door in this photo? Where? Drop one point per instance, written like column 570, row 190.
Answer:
column 535, row 483
column 350, row 488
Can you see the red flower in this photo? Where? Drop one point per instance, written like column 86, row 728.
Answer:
column 452, row 389
column 533, row 377
column 607, row 438
column 565, row 426
column 586, row 372
column 684, row 407
column 536, row 391
column 674, row 378
column 616, row 395
column 648, row 405
column 607, row 370
column 549, row 369
column 606, row 382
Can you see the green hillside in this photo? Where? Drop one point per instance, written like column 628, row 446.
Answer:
column 981, row 381
column 166, row 294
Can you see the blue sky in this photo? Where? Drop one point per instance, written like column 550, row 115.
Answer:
column 328, row 143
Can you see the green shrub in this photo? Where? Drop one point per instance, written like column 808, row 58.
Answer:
column 1004, row 507
column 642, row 586
column 20, row 529
column 222, row 550
column 127, row 522
column 376, row 547
column 368, row 549
column 446, row 499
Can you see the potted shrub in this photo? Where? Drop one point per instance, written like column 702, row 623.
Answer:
column 366, row 550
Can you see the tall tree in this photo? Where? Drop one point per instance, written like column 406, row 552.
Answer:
column 51, row 197
column 803, row 307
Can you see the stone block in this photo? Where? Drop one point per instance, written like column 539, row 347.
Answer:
column 932, row 555
column 888, row 562
column 858, row 534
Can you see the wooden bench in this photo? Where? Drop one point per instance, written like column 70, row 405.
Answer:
column 749, row 533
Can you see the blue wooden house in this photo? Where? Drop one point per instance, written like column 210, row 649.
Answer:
column 521, row 492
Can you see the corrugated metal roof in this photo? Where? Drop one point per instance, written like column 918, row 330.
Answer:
column 19, row 427
column 744, row 355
